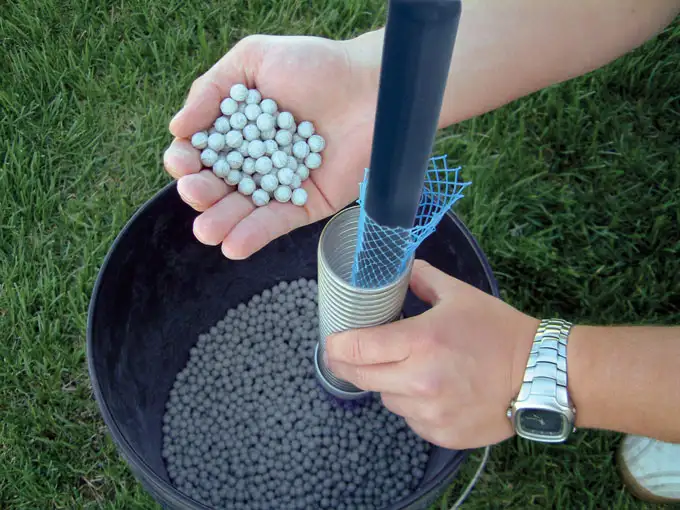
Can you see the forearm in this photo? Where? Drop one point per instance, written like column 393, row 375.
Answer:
column 626, row 379
column 507, row 49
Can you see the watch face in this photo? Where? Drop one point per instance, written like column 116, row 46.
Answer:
column 541, row 423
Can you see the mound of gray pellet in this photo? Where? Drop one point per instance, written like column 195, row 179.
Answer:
column 247, row 427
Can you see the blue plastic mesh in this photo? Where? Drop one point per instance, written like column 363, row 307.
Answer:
column 383, row 253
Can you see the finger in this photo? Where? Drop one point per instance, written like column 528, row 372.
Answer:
column 202, row 190
column 201, row 109
column 378, row 378
column 264, row 225
column 202, row 106
column 429, row 283
column 181, row 158
column 389, row 343
column 212, row 226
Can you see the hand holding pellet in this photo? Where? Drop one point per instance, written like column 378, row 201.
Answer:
column 305, row 76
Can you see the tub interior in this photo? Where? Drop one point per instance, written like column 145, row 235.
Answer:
column 160, row 288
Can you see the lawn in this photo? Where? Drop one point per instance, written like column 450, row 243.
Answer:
column 575, row 199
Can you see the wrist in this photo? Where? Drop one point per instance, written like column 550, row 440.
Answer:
column 591, row 382
column 542, row 410
column 364, row 53
column 522, row 341
column 580, row 363
column 589, row 356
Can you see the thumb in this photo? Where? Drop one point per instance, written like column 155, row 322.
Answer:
column 202, row 106
column 429, row 283
column 388, row 343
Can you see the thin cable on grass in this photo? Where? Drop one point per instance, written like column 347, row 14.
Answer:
column 471, row 485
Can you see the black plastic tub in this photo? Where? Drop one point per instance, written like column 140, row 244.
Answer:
column 158, row 288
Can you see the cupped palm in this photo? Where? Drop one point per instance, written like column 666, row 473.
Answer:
column 314, row 79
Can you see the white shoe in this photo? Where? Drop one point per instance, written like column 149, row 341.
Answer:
column 650, row 469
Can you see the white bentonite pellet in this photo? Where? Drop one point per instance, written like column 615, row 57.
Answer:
column 269, row 182
column 260, row 197
column 316, row 143
column 234, row 139
column 250, row 132
column 222, row 124
column 238, row 92
column 246, row 186
column 283, row 137
column 208, row 157
column 279, row 159
column 282, row 194
column 303, row 172
column 305, row 129
column 269, row 106
column 300, row 150
column 285, row 176
column 256, row 149
column 216, row 141
column 235, row 159
column 200, row 140
column 221, row 168
column 313, row 160
column 299, row 197
column 238, row 120
column 270, row 147
column 285, row 120
column 265, row 122
column 254, row 96
column 252, row 112
column 248, row 166
column 263, row 165
column 268, row 135
column 228, row 106
column 297, row 182
column 234, row 177
column 259, row 149
column 243, row 149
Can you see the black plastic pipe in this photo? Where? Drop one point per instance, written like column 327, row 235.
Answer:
column 417, row 50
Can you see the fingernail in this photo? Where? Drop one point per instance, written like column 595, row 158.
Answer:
column 186, row 199
column 230, row 254
column 177, row 115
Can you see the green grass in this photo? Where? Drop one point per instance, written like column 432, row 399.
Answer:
column 575, row 199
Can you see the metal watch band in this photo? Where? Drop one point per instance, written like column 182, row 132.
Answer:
column 546, row 371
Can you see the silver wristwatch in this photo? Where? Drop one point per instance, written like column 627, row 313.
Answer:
column 543, row 410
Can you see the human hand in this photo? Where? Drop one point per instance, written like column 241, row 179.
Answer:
column 316, row 80
column 452, row 371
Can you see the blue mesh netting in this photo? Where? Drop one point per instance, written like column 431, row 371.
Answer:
column 384, row 253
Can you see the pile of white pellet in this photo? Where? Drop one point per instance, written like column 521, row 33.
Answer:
column 259, row 149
